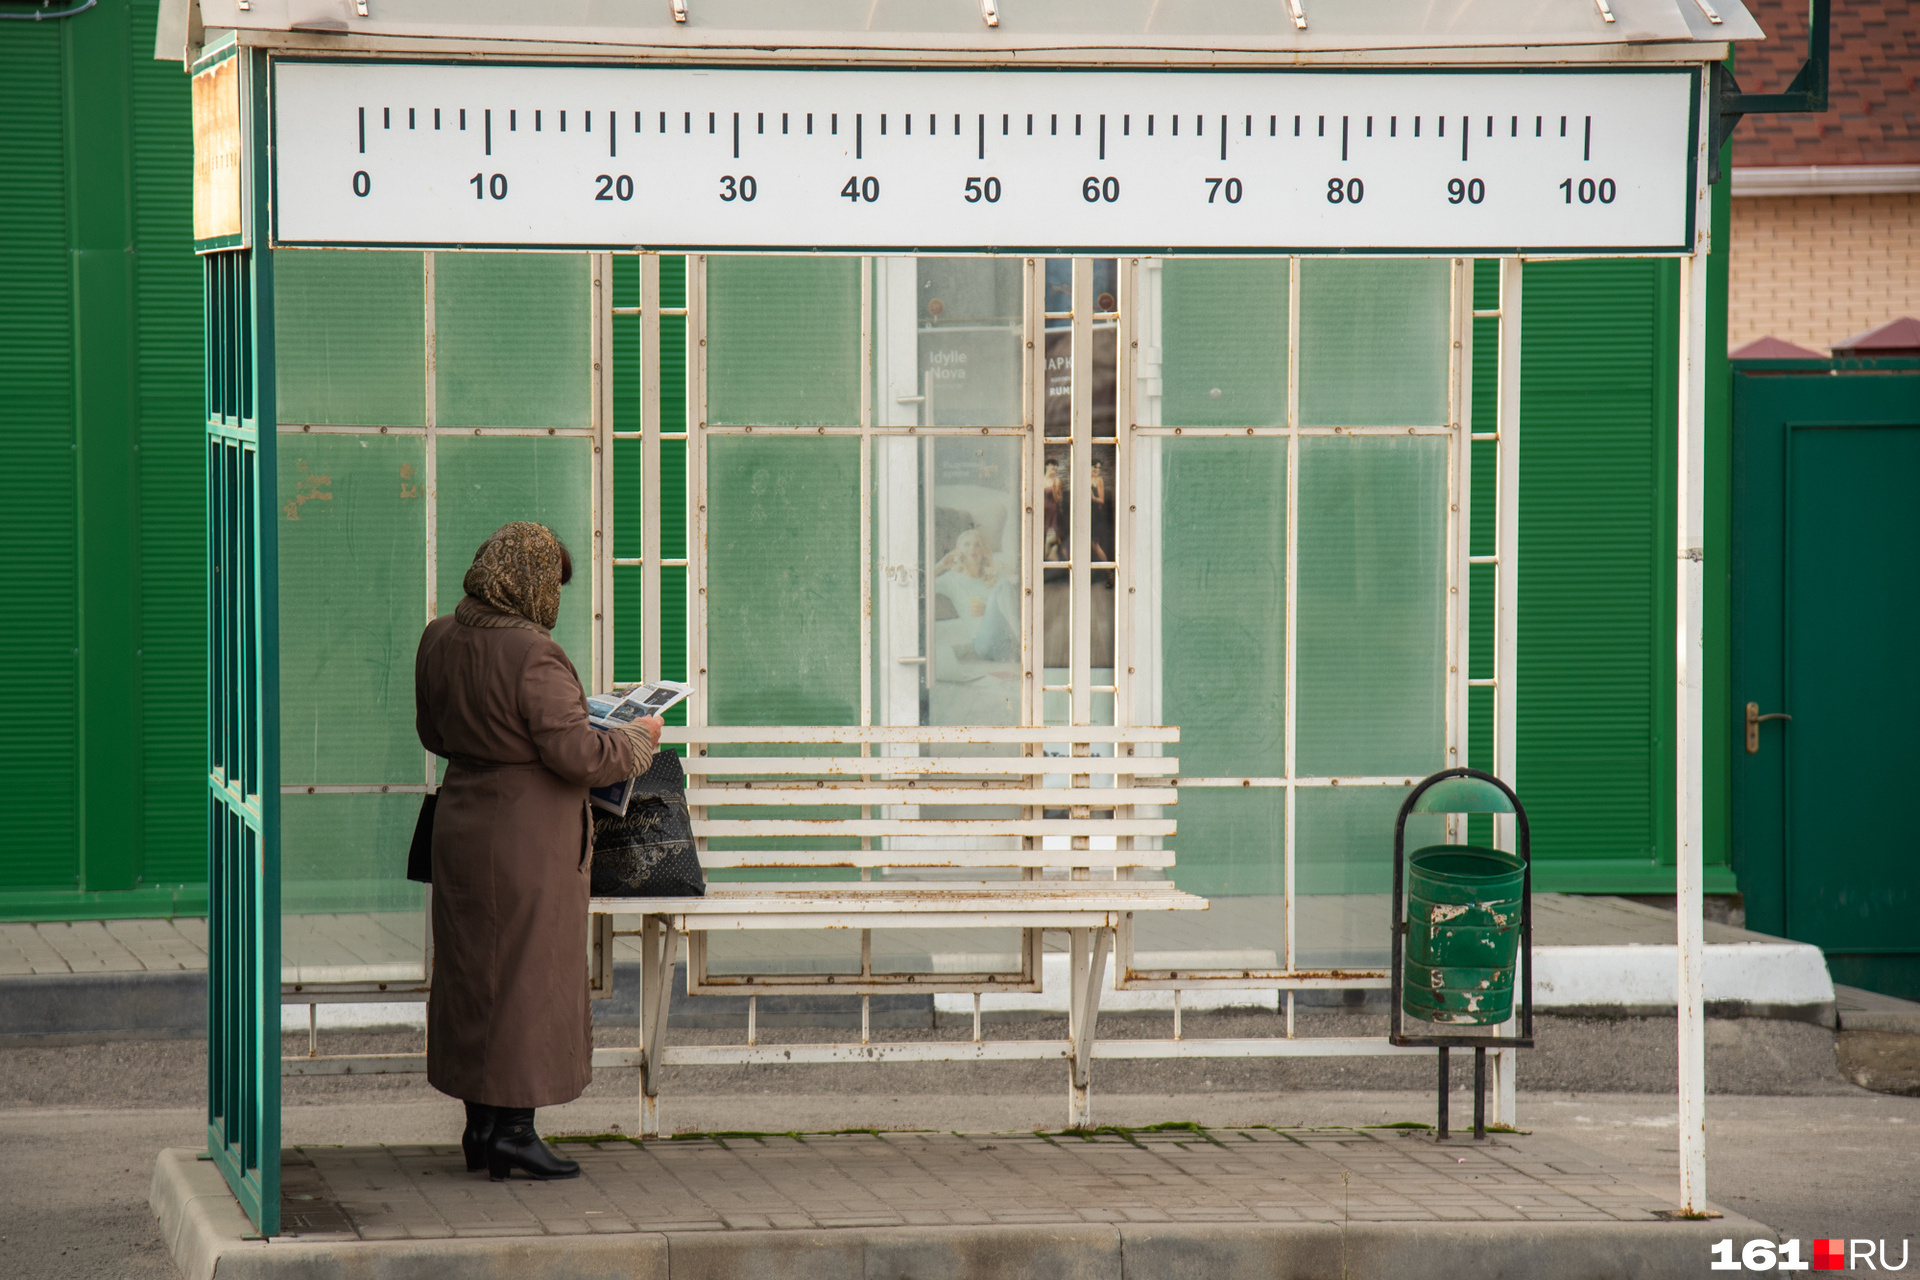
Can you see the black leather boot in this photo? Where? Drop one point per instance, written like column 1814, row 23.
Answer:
column 516, row 1146
column 479, row 1132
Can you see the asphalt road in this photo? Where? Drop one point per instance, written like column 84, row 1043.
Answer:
column 80, row 1125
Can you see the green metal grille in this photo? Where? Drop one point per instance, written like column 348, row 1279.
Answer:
column 243, row 872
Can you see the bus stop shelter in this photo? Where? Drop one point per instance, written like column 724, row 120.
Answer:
column 940, row 364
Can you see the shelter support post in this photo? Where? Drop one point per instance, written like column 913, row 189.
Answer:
column 1690, row 996
column 658, row 942
column 1506, row 645
column 1087, row 965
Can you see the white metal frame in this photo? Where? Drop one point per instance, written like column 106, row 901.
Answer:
column 1148, row 431
column 1129, row 641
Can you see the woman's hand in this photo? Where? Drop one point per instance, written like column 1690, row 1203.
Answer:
column 653, row 725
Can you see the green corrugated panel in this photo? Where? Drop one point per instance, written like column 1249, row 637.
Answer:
column 673, row 478
column 1596, row 563
column 172, row 581
column 38, row 741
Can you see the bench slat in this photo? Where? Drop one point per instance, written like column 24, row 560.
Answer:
column 1056, row 733
column 772, row 795
column 743, row 828
column 913, row 766
column 998, row 891
column 937, row 858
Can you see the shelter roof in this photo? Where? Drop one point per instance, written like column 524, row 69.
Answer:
column 869, row 27
column 1874, row 115
column 1772, row 348
column 1895, row 338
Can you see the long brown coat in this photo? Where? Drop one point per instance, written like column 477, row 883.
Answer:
column 508, row 1023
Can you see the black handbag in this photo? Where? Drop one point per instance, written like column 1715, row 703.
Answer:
column 648, row 852
column 420, row 854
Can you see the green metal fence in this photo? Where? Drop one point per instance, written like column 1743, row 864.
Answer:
column 243, row 714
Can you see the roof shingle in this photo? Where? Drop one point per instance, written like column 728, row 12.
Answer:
column 1874, row 116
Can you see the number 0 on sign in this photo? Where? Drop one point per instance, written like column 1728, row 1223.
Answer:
column 677, row 158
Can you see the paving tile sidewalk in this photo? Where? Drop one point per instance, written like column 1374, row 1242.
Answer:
column 815, row 1181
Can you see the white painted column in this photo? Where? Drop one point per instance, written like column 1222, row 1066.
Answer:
column 1689, row 583
column 1506, row 643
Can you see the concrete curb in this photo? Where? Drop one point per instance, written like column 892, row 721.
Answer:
column 147, row 1005
column 206, row 1233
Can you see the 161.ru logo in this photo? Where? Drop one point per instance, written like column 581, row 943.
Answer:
column 1828, row 1255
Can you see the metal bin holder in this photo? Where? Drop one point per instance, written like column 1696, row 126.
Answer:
column 1456, row 935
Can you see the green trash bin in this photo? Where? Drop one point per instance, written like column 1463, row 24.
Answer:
column 1463, row 934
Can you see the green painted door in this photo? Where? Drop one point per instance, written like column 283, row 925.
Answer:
column 1825, row 615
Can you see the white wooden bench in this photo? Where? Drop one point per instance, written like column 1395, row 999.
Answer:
column 756, row 779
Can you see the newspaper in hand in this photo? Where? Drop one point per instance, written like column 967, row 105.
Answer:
column 607, row 711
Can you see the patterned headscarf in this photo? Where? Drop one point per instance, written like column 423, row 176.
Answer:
column 517, row 571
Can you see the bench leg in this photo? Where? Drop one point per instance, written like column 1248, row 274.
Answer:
column 1087, row 965
column 658, row 942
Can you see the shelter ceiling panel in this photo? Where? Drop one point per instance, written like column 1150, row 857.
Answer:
column 914, row 25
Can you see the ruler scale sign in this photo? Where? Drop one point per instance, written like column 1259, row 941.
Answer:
column 409, row 154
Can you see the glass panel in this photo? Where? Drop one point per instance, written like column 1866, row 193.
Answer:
column 783, row 580
column 1058, row 298
column 1343, row 871
column 969, row 325
column 1229, row 850
column 1373, row 593
column 1223, row 604
column 512, row 340
column 1059, row 347
column 1373, row 342
column 1224, row 342
column 486, row 481
column 350, row 337
column 783, row 646
column 353, row 568
column 946, row 950
column 947, row 528
column 783, row 341
column 350, row 913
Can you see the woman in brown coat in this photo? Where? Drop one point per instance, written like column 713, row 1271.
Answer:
column 508, row 1025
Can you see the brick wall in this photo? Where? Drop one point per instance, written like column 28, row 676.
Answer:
column 1815, row 270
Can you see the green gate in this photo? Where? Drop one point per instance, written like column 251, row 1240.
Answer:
column 243, row 729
